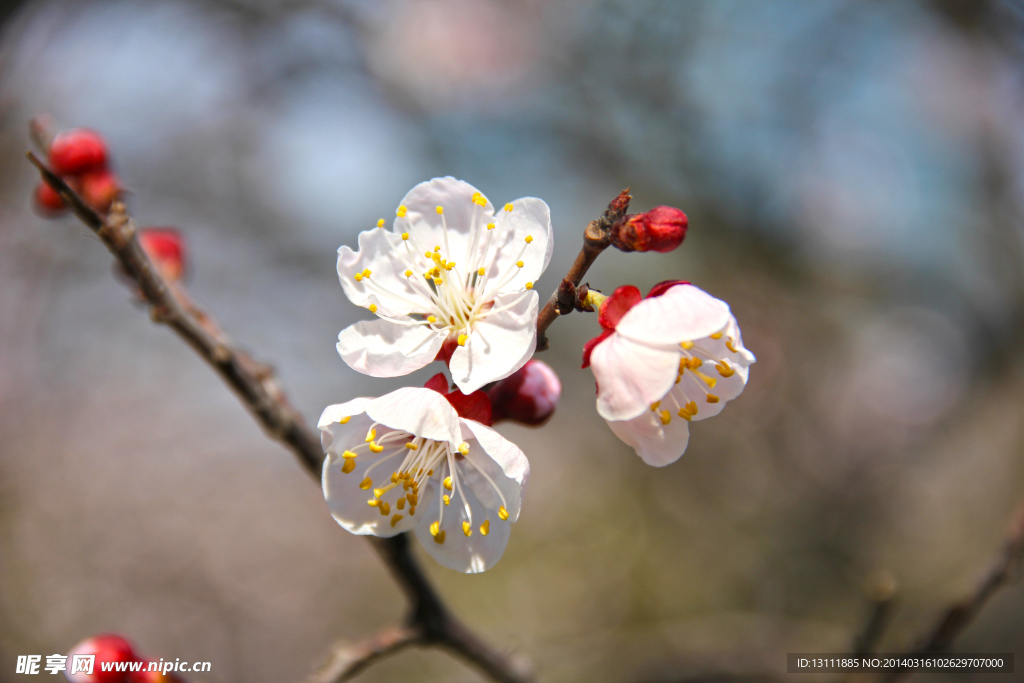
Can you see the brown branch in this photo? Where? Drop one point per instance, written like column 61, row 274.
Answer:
column 1005, row 570
column 348, row 659
column 596, row 239
column 257, row 388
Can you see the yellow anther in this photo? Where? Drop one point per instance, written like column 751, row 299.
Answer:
column 467, row 529
column 475, row 195
column 371, row 435
column 434, row 528
column 400, row 503
column 366, row 272
column 529, row 285
column 713, row 399
column 408, row 273
column 373, row 308
column 731, row 345
column 724, row 369
column 348, row 454
column 717, row 335
column 412, row 447
column 481, row 272
column 485, row 528
column 413, row 498
column 405, row 235
column 395, row 520
column 665, row 416
column 687, row 345
column 428, row 254
column 439, row 210
column 401, row 211
column 529, row 238
column 685, row 414
column 430, row 472
column 344, row 420
column 490, row 226
column 448, row 483
column 481, row 201
column 462, row 339
column 519, row 263
column 394, row 477
column 373, row 502
column 464, row 448
column 439, row 539
column 380, row 222
column 431, row 319
column 437, row 247
column 508, row 207
column 654, row 406
column 710, row 381
column 446, row 498
column 385, row 509
column 375, row 447
column 691, row 407
column 377, row 493
column 348, row 466
column 438, row 281
column 449, row 266
column 365, row 484
column 502, row 512
column 412, row 510
column 358, row 277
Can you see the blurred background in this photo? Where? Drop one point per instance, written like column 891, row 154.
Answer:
column 853, row 176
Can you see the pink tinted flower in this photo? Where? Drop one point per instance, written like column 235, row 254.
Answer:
column 528, row 396
column 662, row 361
column 450, row 270
column 415, row 460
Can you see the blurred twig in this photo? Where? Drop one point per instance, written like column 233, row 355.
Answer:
column 429, row 621
column 881, row 593
column 1005, row 570
column 348, row 659
column 595, row 240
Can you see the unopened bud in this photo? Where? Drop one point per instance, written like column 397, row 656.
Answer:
column 662, row 229
column 106, row 648
column 100, row 189
column 528, row 396
column 48, row 202
column 78, row 151
column 166, row 249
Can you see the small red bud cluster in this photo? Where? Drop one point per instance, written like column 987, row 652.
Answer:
column 166, row 249
column 662, row 229
column 114, row 648
column 79, row 157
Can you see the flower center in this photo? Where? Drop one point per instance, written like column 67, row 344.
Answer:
column 694, row 358
column 452, row 297
column 424, row 460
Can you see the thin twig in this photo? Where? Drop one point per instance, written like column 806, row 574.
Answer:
column 348, row 659
column 596, row 239
column 1005, row 570
column 259, row 391
column 881, row 594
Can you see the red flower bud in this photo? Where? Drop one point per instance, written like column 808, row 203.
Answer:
column 660, row 229
column 166, row 249
column 78, row 151
column 106, row 648
column 48, row 202
column 100, row 189
column 528, row 396
column 475, row 406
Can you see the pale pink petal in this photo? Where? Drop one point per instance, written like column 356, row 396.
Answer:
column 631, row 376
column 692, row 388
column 657, row 444
column 683, row 313
column 419, row 411
column 387, row 259
column 499, row 459
column 472, row 554
column 530, row 217
column 498, row 345
column 381, row 348
column 461, row 215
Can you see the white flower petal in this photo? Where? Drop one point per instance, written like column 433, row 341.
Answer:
column 472, row 554
column 655, row 443
column 530, row 217
column 461, row 215
column 330, row 420
column 631, row 376
column 384, row 255
column 498, row 345
column 502, row 462
column 419, row 411
column 380, row 348
column 725, row 389
column 346, row 501
column 719, row 348
column 683, row 313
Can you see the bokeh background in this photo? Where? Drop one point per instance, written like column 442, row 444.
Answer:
column 853, row 176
